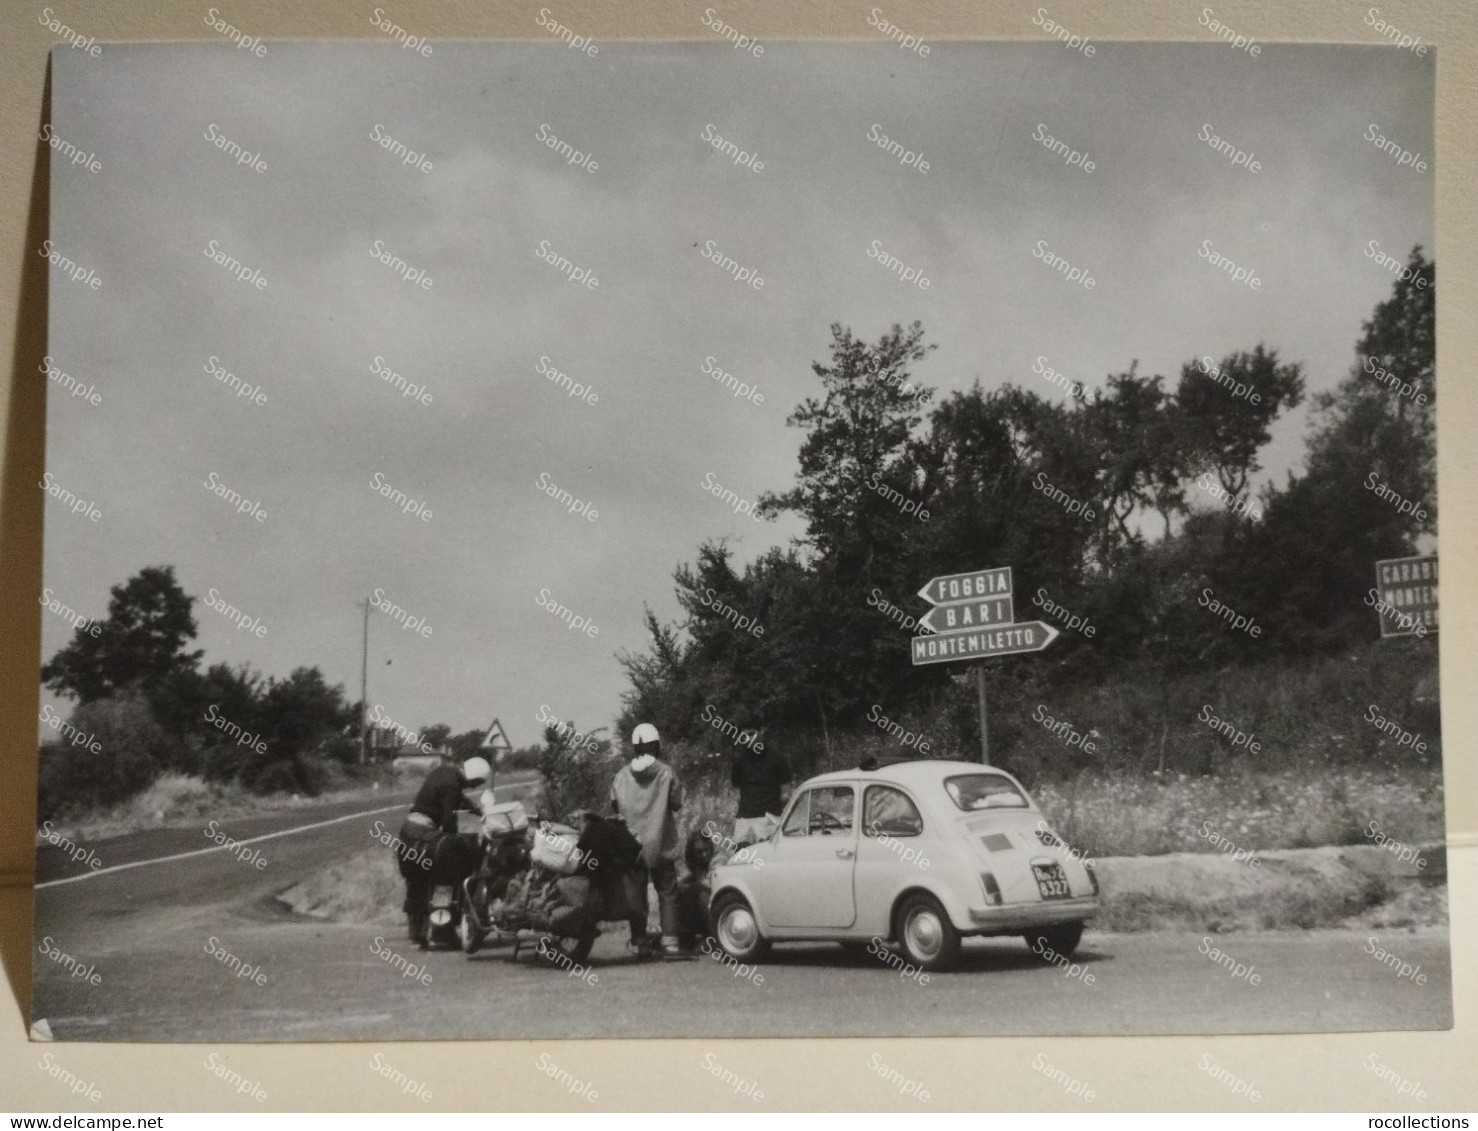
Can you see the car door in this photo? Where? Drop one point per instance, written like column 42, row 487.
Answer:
column 890, row 854
column 808, row 876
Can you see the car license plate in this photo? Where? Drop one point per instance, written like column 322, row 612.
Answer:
column 1051, row 882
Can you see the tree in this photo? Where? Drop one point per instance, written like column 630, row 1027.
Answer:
column 436, row 736
column 141, row 644
column 1227, row 413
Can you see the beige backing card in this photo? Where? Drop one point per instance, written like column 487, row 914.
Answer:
column 1320, row 1072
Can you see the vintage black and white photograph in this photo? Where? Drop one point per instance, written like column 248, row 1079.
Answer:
column 573, row 538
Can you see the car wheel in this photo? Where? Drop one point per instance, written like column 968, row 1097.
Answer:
column 1049, row 942
column 928, row 938
column 737, row 929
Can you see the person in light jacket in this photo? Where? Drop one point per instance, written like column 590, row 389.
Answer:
column 647, row 795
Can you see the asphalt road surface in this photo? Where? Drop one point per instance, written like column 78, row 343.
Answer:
column 147, row 927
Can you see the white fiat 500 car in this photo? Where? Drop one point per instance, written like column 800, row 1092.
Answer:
column 920, row 853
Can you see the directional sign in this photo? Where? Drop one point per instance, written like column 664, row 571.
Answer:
column 974, row 613
column 977, row 644
column 968, row 586
column 1406, row 589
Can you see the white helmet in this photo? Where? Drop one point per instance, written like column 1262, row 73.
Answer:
column 476, row 771
column 645, row 738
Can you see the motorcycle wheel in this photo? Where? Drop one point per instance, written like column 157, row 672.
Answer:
column 468, row 935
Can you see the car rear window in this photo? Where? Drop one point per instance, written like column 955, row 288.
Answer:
column 984, row 791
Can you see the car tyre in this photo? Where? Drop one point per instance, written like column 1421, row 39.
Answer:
column 1061, row 940
column 737, row 928
column 929, row 940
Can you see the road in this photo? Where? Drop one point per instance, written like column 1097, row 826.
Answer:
column 147, row 929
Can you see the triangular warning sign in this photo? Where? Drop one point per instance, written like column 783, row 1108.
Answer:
column 496, row 740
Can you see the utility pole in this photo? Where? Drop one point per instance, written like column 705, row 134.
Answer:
column 364, row 690
column 984, row 717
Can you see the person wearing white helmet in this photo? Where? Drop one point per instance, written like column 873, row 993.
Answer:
column 433, row 815
column 647, row 794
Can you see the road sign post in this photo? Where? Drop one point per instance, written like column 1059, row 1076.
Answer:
column 984, row 715
column 974, row 618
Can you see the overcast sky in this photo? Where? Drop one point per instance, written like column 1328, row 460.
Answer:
column 639, row 222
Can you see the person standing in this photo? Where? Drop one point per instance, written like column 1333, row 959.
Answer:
column 433, row 815
column 760, row 776
column 647, row 795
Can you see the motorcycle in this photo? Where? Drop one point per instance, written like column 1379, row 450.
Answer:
column 552, row 890
column 454, row 857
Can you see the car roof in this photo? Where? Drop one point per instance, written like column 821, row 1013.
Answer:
column 919, row 773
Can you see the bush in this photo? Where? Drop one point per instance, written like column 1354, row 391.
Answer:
column 134, row 751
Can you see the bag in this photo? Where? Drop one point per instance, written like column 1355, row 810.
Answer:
column 556, row 848
column 607, row 846
column 530, row 902
column 505, row 818
column 579, row 906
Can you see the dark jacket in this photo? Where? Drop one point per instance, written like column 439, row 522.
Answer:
column 440, row 796
column 758, row 775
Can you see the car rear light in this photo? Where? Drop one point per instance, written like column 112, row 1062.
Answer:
column 1092, row 875
column 992, row 889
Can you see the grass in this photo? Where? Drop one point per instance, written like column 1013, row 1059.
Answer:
column 174, row 799
column 1125, row 815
